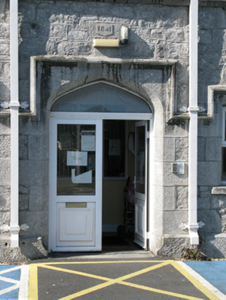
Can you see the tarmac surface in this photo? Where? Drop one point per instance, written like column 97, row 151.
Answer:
column 122, row 276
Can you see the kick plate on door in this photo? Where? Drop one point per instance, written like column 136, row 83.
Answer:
column 76, row 204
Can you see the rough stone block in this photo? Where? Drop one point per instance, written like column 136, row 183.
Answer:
column 5, row 172
column 209, row 173
column 4, row 89
column 201, row 149
column 177, row 130
column 4, row 31
column 4, row 218
column 5, row 146
column 4, row 69
column 171, row 178
column 209, row 129
column 175, row 35
column 169, row 198
column 214, row 76
column 181, row 149
column 37, row 222
column 223, row 218
column 74, row 48
column 158, row 34
column 182, row 197
column 33, row 172
column 32, row 248
column 4, row 198
column 213, row 149
column 172, row 220
column 4, row 125
column 24, row 92
column 4, row 49
column 203, row 203
column 215, row 245
column 208, row 60
column 28, row 10
column 218, row 202
column 30, row 30
column 23, row 146
column 210, row 17
column 12, row 256
column 205, row 36
column 204, row 191
column 168, row 146
column 38, row 147
column 212, row 220
column 23, row 197
column 23, row 202
column 173, row 247
column 219, row 38
column 30, row 126
column 39, row 200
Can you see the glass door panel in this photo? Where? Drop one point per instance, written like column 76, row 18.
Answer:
column 76, row 156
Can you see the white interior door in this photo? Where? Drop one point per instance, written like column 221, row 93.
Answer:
column 75, row 185
column 140, row 183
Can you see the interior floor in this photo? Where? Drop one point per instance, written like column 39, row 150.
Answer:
column 114, row 242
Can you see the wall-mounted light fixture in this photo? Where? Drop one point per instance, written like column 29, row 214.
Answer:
column 124, row 34
column 113, row 43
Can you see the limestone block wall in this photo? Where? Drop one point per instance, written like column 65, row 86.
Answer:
column 68, row 28
column 157, row 32
column 65, row 28
column 212, row 58
column 4, row 123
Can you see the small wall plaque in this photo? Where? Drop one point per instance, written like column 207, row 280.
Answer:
column 104, row 29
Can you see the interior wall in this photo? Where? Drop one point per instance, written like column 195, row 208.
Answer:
column 113, row 190
column 113, row 204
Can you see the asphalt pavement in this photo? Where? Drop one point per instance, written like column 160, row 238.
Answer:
column 114, row 277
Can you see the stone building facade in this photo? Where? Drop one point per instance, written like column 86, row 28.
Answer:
column 60, row 64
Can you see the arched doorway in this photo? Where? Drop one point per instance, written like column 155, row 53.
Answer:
column 98, row 138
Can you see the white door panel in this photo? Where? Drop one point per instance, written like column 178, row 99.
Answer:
column 76, row 225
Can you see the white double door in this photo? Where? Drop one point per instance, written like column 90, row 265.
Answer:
column 75, row 180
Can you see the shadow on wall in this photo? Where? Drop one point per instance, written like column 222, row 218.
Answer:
column 212, row 50
column 214, row 246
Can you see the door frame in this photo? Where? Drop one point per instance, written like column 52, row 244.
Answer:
column 71, row 118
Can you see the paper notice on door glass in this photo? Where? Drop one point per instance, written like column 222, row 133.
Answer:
column 81, row 178
column 88, row 140
column 77, row 158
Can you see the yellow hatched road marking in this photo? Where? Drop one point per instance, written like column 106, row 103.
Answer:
column 76, row 272
column 194, row 281
column 121, row 281
column 143, row 287
column 33, row 284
